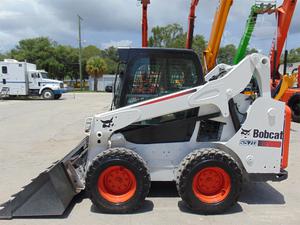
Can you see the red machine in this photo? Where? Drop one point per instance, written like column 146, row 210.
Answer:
column 192, row 16
column 284, row 14
column 284, row 86
column 145, row 4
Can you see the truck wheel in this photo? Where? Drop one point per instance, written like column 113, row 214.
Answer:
column 209, row 181
column 118, row 181
column 58, row 96
column 294, row 104
column 48, row 94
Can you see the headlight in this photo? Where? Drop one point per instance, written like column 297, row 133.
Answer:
column 88, row 124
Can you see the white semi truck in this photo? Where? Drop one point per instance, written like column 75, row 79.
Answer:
column 23, row 79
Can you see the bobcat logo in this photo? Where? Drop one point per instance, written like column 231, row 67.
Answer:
column 108, row 123
column 245, row 132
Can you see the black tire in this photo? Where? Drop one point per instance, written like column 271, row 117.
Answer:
column 202, row 159
column 118, row 157
column 294, row 104
column 48, row 94
column 58, row 96
column 108, row 89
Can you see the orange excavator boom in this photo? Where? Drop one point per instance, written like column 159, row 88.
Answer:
column 212, row 50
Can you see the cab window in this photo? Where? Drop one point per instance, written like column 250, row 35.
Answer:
column 151, row 77
column 35, row 75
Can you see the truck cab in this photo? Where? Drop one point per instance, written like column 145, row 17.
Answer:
column 40, row 84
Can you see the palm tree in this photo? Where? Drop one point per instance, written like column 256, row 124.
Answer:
column 96, row 67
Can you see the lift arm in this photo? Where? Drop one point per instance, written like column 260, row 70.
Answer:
column 251, row 22
column 284, row 14
column 145, row 4
column 192, row 16
column 212, row 50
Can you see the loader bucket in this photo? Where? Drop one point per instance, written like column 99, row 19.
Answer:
column 50, row 193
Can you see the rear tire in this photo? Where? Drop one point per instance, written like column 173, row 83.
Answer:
column 118, row 181
column 294, row 104
column 58, row 96
column 209, row 181
column 48, row 94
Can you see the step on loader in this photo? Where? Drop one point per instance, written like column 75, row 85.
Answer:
column 206, row 135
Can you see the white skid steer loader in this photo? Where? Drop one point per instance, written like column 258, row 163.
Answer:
column 208, row 138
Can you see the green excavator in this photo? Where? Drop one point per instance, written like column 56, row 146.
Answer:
column 260, row 7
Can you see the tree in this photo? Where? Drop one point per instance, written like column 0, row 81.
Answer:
column 2, row 57
column 251, row 51
column 66, row 65
column 170, row 36
column 226, row 54
column 294, row 55
column 199, row 45
column 111, row 57
column 96, row 67
column 89, row 52
column 39, row 51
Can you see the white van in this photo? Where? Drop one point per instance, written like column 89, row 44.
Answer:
column 23, row 79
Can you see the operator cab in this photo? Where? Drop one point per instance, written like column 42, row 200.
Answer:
column 146, row 73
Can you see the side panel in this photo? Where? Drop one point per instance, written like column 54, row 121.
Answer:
column 259, row 142
column 15, row 78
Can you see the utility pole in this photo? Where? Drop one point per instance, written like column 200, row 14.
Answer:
column 80, row 51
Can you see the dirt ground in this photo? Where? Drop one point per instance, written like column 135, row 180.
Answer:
column 35, row 133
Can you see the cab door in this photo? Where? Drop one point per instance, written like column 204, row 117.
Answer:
column 34, row 80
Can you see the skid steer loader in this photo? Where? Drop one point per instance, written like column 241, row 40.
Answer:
column 209, row 138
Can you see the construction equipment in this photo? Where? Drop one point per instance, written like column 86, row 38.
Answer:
column 284, row 89
column 145, row 4
column 284, row 15
column 212, row 50
column 208, row 138
column 260, row 7
column 192, row 16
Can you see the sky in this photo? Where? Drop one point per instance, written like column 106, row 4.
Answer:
column 118, row 22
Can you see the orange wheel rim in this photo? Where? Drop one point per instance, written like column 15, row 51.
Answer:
column 117, row 184
column 211, row 185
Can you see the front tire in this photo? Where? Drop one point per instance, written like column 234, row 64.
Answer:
column 48, row 94
column 209, row 181
column 118, row 181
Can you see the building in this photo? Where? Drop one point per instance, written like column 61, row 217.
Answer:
column 103, row 82
column 290, row 67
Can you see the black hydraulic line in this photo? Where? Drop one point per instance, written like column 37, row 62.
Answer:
column 274, row 68
column 235, row 119
column 285, row 61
